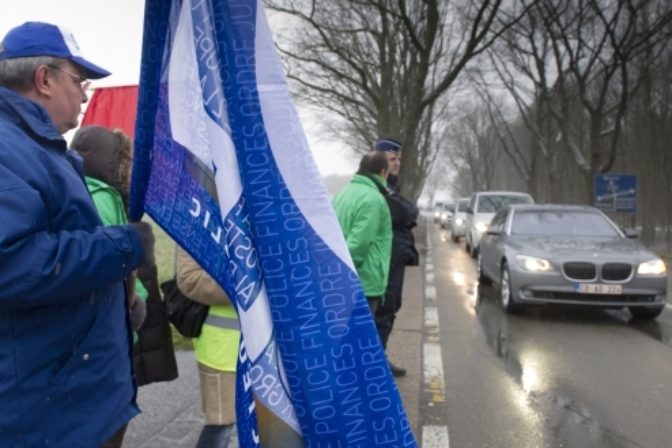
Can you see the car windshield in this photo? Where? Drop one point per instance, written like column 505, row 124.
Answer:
column 561, row 222
column 493, row 203
column 462, row 205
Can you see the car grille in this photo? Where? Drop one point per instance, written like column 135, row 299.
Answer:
column 579, row 271
column 616, row 271
column 611, row 272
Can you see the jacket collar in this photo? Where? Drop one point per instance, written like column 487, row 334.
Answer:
column 29, row 114
column 361, row 179
column 97, row 184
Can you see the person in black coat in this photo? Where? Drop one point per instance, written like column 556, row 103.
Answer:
column 404, row 217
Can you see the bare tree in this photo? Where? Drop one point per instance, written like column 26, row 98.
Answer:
column 594, row 44
column 438, row 179
column 645, row 150
column 522, row 61
column 383, row 66
column 566, row 65
column 474, row 151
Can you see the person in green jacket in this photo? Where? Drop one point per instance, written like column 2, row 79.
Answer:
column 364, row 217
column 106, row 156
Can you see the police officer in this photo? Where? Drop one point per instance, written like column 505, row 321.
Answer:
column 404, row 215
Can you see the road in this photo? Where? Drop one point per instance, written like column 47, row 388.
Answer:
column 549, row 377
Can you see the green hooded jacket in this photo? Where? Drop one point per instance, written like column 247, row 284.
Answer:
column 111, row 210
column 106, row 160
column 364, row 217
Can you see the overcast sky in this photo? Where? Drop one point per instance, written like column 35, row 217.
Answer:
column 109, row 33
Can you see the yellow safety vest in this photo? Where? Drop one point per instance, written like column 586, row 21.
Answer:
column 217, row 346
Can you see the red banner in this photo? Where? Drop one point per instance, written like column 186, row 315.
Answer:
column 113, row 107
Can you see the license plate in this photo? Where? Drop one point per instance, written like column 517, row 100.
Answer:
column 599, row 288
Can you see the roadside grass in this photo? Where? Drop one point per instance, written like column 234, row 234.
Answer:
column 164, row 253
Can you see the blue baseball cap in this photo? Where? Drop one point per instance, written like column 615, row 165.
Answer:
column 44, row 39
column 387, row 144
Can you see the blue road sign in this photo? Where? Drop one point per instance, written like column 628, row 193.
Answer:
column 616, row 192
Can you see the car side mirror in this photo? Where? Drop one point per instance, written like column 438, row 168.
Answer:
column 493, row 231
column 631, row 233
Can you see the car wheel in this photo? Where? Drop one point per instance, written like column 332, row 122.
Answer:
column 646, row 312
column 506, row 293
column 456, row 239
column 467, row 246
column 482, row 278
column 473, row 251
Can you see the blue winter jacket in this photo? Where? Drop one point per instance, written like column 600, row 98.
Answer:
column 65, row 341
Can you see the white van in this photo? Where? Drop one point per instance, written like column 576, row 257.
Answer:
column 482, row 207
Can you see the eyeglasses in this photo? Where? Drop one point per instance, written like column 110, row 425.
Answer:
column 81, row 81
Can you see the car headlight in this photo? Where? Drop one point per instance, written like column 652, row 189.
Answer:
column 652, row 267
column 481, row 227
column 534, row 264
column 459, row 221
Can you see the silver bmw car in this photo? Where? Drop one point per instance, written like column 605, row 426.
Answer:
column 569, row 255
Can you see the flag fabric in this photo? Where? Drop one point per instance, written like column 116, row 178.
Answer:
column 222, row 164
column 113, row 107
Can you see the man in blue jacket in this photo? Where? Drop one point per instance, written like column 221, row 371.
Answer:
column 65, row 344
column 404, row 216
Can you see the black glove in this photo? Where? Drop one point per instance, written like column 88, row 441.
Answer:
column 146, row 236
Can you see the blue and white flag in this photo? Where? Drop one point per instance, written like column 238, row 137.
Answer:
column 222, row 164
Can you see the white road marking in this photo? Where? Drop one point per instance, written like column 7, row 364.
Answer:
column 435, row 437
column 432, row 319
column 433, row 370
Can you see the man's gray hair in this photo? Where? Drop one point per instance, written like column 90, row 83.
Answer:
column 17, row 74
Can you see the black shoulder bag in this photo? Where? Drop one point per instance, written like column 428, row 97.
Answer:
column 185, row 314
